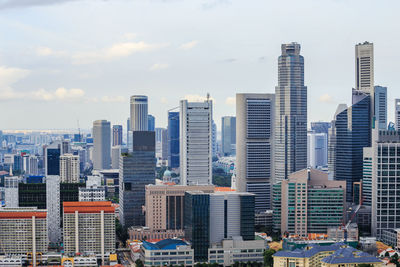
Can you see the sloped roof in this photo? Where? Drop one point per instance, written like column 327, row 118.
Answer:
column 300, row 253
column 350, row 255
column 165, row 244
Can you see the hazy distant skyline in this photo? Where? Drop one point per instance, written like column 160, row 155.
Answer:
column 64, row 60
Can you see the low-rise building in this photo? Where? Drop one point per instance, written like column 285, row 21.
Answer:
column 92, row 193
column 167, row 252
column 145, row 233
column 350, row 257
column 391, row 237
column 236, row 249
column 339, row 234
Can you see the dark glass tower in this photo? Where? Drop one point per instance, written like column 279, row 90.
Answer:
column 52, row 159
column 173, row 140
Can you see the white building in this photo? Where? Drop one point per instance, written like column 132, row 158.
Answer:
column 115, row 153
column 69, row 168
column 53, row 208
column 196, row 142
column 365, row 67
column 317, row 150
column 101, row 145
column 11, row 191
column 139, row 113
column 92, row 194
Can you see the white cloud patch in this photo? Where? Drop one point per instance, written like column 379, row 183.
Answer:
column 326, row 98
column 129, row 36
column 230, row 101
column 61, row 93
column 197, row 98
column 47, row 51
column 8, row 76
column 189, row 45
column 116, row 51
column 159, row 66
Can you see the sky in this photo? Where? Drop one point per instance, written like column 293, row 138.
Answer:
column 64, row 61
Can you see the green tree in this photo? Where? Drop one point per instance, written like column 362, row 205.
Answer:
column 121, row 232
column 365, row 265
column 268, row 259
column 139, row 263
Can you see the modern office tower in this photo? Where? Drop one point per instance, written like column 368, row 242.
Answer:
column 161, row 143
column 33, row 165
column 32, row 195
column 115, row 154
column 89, row 228
column 139, row 119
column 380, row 105
column 53, row 208
column 308, row 202
column 17, row 166
column 65, row 147
column 384, row 160
column 197, row 223
column 173, row 140
column 255, row 146
column 228, row 133
column 365, row 67
column 101, row 145
column 196, row 142
column 25, row 164
column 397, row 113
column 320, row 127
column 11, row 191
column 69, row 192
column 69, row 168
column 317, row 150
column 165, row 205
column 136, row 170
column 92, row 193
column 332, row 141
column 23, row 230
column 214, row 139
column 291, row 113
column 117, row 135
column 350, row 133
column 151, row 122
column 367, row 176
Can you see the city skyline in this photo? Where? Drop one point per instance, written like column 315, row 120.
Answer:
column 109, row 63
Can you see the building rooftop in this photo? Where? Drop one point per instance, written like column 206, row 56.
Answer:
column 88, row 207
column 166, row 244
column 350, row 255
column 302, row 253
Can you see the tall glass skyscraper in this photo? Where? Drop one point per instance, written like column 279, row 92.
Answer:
column 228, row 129
column 101, row 145
column 291, row 113
column 173, row 140
column 117, row 135
column 139, row 112
column 151, row 121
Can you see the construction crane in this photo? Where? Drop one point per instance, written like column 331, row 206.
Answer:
column 346, row 227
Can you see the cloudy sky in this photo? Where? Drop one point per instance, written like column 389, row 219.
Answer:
column 64, row 60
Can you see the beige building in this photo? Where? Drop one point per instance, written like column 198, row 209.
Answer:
column 165, row 205
column 23, row 230
column 69, row 168
column 89, row 228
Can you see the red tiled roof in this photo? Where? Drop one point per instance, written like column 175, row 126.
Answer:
column 224, row 189
column 86, row 203
column 88, row 207
column 22, row 214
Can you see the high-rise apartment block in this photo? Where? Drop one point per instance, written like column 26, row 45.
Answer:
column 308, row 203
column 136, row 170
column 101, row 145
column 255, row 146
column 69, row 168
column 139, row 112
column 291, row 113
column 228, row 129
column 23, row 230
column 89, row 227
column 117, row 135
column 173, row 140
column 196, row 142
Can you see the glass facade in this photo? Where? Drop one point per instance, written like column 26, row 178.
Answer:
column 32, row 195
column 173, row 139
column 247, row 217
column 53, row 161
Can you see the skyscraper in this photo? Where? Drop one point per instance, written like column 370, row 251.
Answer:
column 320, row 127
column 397, row 113
column 161, row 143
column 228, row 129
column 139, row 112
column 291, row 113
column 255, row 146
column 214, row 139
column 136, row 170
column 196, row 142
column 52, row 159
column 69, row 168
column 365, row 67
column 151, row 122
column 317, row 149
column 117, row 135
column 173, row 140
column 101, row 145
column 380, row 99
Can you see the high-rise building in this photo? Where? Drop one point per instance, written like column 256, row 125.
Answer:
column 228, row 133
column 380, row 105
column 32, row 195
column 115, row 154
column 397, row 113
column 350, row 133
column 320, row 127
column 136, row 170
column 308, row 202
column 196, row 142
column 214, row 139
column 255, row 146
column 69, row 168
column 53, row 208
column 161, row 143
column 291, row 113
column 365, row 67
column 317, row 149
column 101, row 145
column 117, row 135
column 139, row 112
column 151, row 122
column 23, row 230
column 89, row 227
column 384, row 160
column 173, row 140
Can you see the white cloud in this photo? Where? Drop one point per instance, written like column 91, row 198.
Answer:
column 47, row 51
column 129, row 36
column 8, row 76
column 159, row 66
column 326, row 98
column 116, row 51
column 197, row 98
column 61, row 93
column 230, row 101
column 189, row 45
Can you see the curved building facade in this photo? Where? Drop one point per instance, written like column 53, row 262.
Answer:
column 139, row 113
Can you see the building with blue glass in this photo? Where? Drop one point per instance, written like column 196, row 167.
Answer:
column 173, row 140
column 151, row 122
column 52, row 159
